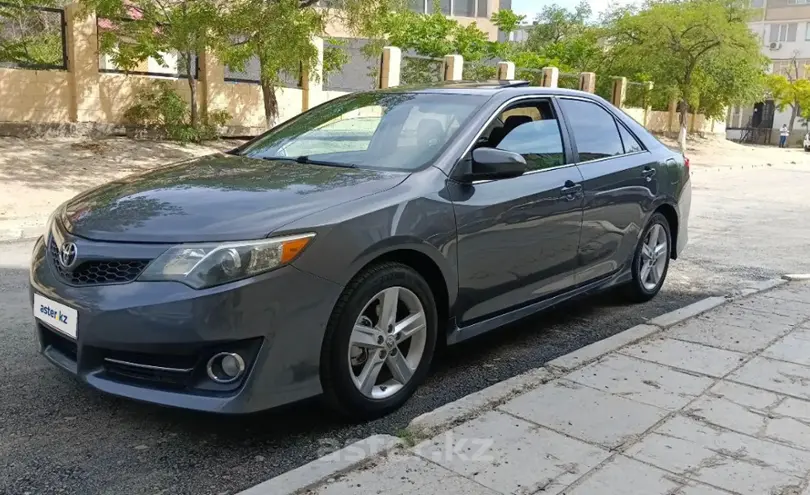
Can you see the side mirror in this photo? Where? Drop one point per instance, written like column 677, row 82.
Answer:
column 494, row 164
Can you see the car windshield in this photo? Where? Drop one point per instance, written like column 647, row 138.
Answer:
column 398, row 131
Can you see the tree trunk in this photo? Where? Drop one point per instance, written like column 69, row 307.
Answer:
column 192, row 86
column 270, row 102
column 684, row 116
column 794, row 111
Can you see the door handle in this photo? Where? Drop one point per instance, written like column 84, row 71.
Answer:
column 648, row 173
column 570, row 190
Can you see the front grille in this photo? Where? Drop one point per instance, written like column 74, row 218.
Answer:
column 97, row 272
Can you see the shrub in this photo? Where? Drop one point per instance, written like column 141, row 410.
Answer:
column 159, row 107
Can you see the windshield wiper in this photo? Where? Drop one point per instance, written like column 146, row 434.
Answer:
column 307, row 160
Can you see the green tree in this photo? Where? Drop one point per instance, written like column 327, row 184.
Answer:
column 789, row 90
column 279, row 33
column 135, row 30
column 685, row 47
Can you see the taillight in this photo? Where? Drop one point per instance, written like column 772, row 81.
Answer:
column 686, row 163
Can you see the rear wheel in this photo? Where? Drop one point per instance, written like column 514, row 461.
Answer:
column 651, row 260
column 379, row 342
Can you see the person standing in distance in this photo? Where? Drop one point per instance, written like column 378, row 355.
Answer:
column 783, row 135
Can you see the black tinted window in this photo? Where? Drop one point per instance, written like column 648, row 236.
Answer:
column 594, row 130
column 631, row 144
column 532, row 131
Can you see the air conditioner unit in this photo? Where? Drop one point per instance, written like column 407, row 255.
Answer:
column 775, row 45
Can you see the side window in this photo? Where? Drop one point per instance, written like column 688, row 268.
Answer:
column 594, row 129
column 533, row 131
column 631, row 144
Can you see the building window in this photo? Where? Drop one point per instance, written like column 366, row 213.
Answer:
column 798, row 2
column 807, row 32
column 756, row 4
column 783, row 32
column 482, row 9
column 459, row 8
column 464, row 8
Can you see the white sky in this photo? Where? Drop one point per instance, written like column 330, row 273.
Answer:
column 530, row 8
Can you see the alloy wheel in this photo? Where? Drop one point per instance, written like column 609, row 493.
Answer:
column 387, row 342
column 654, row 253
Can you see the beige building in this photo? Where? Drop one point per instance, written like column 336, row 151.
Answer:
column 783, row 27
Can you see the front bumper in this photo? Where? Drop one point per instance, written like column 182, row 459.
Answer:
column 276, row 320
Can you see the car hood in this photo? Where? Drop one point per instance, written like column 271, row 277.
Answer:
column 216, row 198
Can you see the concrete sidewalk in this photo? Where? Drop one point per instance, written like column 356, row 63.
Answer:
column 715, row 405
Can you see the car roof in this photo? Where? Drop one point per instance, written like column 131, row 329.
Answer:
column 491, row 88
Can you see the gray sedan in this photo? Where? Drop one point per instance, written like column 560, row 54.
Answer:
column 333, row 254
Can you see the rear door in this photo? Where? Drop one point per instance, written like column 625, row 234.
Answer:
column 620, row 182
column 518, row 237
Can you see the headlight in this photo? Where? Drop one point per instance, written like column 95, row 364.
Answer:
column 206, row 265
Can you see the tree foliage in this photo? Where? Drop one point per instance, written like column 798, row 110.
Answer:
column 788, row 90
column 701, row 51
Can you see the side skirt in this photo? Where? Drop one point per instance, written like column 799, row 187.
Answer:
column 459, row 334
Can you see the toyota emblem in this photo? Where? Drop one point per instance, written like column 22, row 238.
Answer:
column 67, row 254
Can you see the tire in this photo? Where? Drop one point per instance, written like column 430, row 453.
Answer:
column 644, row 287
column 343, row 362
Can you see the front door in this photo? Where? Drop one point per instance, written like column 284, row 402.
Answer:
column 518, row 237
column 620, row 182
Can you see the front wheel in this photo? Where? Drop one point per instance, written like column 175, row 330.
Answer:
column 651, row 260
column 379, row 342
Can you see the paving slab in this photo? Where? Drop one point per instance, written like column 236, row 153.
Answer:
column 737, row 316
column 722, row 458
column 686, row 356
column 585, row 413
column 777, row 376
column 642, row 381
column 730, row 408
column 791, row 292
column 511, row 456
column 794, row 348
column 400, row 474
column 625, row 476
column 794, row 310
column 721, row 335
column 593, row 351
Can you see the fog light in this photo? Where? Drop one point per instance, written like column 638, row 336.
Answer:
column 226, row 367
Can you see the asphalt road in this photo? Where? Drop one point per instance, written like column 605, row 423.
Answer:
column 58, row 437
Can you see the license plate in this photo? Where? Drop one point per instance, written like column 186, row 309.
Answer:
column 56, row 315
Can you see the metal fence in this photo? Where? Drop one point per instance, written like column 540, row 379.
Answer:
column 354, row 67
column 568, row 80
column 483, row 70
column 534, row 76
column 173, row 64
column 637, row 95
column 417, row 69
column 32, row 37
column 251, row 74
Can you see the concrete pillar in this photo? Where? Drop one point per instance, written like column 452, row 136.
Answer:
column 648, row 87
column 212, row 78
column 453, row 67
column 390, row 67
column 82, row 55
column 672, row 121
column 312, row 80
column 619, row 91
column 587, row 82
column 506, row 71
column 551, row 75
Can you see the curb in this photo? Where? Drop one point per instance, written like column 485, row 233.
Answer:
column 8, row 236
column 456, row 412
column 326, row 467
column 797, row 276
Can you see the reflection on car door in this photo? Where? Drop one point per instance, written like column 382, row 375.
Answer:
column 518, row 238
column 620, row 184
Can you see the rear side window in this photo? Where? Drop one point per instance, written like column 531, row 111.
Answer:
column 631, row 144
column 595, row 130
